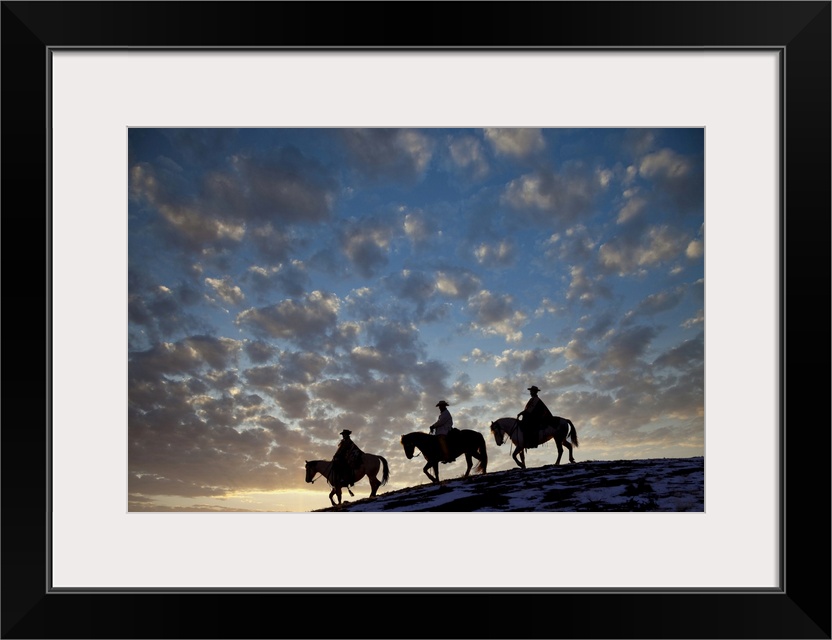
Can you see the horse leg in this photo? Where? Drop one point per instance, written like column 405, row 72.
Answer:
column 375, row 483
column 569, row 447
column 560, row 451
column 335, row 491
column 470, row 464
column 519, row 457
column 435, row 477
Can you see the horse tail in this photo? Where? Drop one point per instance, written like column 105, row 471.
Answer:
column 574, row 434
column 386, row 472
column 483, row 464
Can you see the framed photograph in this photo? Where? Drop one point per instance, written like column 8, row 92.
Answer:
column 90, row 89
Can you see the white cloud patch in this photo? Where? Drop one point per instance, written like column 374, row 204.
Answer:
column 626, row 256
column 226, row 290
column 543, row 196
column 518, row 143
column 469, row 157
column 496, row 315
column 664, row 164
column 499, row 253
column 695, row 249
column 456, row 285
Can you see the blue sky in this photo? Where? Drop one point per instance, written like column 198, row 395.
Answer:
column 285, row 284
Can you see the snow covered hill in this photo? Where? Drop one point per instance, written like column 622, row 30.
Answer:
column 661, row 484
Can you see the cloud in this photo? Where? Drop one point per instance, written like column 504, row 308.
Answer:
column 399, row 154
column 305, row 321
column 525, row 360
column 628, row 255
column 157, row 312
column 458, row 284
column 677, row 180
column 418, row 227
column 633, row 207
column 665, row 165
column 415, row 286
column 273, row 245
column 187, row 222
column 188, row 356
column 214, row 208
column 518, row 143
column 582, row 287
column 293, row 400
column 226, row 290
column 282, row 187
column 696, row 320
column 548, row 197
column 259, row 351
column 468, row 157
column 683, row 356
column 496, row 315
column 359, row 396
column 625, row 347
column 289, row 278
column 367, row 246
column 659, row 302
column 499, row 253
column 695, row 249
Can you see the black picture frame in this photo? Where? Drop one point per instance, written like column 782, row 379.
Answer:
column 800, row 31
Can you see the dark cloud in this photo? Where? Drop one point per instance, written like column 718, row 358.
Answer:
column 659, row 302
column 684, row 355
column 366, row 244
column 259, row 351
column 198, row 146
column 398, row 154
column 185, row 357
column 213, row 209
column 358, row 396
column 289, row 279
column 677, row 180
column 282, row 188
column 554, row 198
column 624, row 348
column 304, row 321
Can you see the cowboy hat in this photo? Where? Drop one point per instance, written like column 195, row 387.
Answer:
column 345, row 432
column 442, row 403
column 532, row 388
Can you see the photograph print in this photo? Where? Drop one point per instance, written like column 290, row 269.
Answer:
column 425, row 319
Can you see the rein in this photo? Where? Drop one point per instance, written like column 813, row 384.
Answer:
column 312, row 481
column 507, row 433
column 318, row 471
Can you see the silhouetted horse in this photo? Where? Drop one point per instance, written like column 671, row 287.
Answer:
column 558, row 429
column 369, row 466
column 465, row 442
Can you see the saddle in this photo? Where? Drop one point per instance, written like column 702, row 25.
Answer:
column 529, row 435
column 447, row 447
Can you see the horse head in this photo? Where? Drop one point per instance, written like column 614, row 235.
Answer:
column 498, row 433
column 310, row 471
column 408, row 445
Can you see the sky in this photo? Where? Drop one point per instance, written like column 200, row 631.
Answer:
column 285, row 284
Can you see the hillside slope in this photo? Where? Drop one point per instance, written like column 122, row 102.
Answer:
column 661, row 484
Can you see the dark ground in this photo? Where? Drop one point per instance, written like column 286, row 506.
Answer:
column 661, row 484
